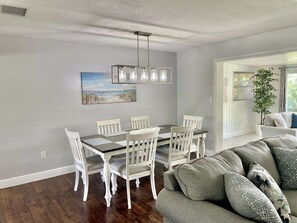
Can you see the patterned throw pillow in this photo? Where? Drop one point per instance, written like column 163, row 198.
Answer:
column 287, row 166
column 263, row 180
column 247, row 200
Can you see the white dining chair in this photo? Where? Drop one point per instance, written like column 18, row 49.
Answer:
column 197, row 121
column 83, row 164
column 109, row 126
column 178, row 151
column 140, row 122
column 139, row 162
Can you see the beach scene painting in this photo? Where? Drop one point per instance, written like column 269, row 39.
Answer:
column 97, row 88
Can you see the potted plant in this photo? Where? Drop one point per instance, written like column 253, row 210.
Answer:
column 263, row 93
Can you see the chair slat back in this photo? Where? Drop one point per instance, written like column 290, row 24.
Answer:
column 140, row 122
column 76, row 146
column 180, row 140
column 142, row 147
column 193, row 120
column 109, row 126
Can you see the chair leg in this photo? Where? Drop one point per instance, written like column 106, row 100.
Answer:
column 198, row 148
column 197, row 154
column 76, row 180
column 86, row 186
column 102, row 177
column 114, row 183
column 137, row 182
column 128, row 193
column 153, row 186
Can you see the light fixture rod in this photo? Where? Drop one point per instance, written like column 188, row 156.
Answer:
column 137, row 50
column 148, row 51
column 139, row 33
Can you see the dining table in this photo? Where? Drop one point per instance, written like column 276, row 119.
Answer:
column 113, row 144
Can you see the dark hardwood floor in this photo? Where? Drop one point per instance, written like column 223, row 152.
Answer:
column 54, row 200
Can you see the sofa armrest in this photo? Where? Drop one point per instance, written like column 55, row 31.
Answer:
column 268, row 131
column 170, row 181
column 176, row 207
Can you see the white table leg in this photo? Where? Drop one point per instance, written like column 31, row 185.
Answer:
column 106, row 175
column 202, row 145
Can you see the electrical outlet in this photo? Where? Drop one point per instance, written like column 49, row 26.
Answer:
column 43, row 154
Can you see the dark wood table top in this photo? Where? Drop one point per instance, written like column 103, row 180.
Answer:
column 112, row 145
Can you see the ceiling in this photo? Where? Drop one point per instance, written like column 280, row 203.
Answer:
column 175, row 24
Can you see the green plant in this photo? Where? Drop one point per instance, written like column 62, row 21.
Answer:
column 263, row 97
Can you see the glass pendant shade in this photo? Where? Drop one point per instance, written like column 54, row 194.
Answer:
column 127, row 74
column 144, row 75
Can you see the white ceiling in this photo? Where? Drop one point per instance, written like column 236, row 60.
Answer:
column 175, row 24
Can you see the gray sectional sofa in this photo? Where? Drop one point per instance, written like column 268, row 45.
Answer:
column 195, row 192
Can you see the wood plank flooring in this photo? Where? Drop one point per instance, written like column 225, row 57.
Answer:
column 54, row 200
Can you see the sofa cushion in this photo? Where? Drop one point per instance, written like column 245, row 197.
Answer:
column 288, row 118
column 269, row 120
column 294, row 121
column 203, row 179
column 259, row 152
column 248, row 201
column 286, row 141
column 279, row 121
column 264, row 181
column 291, row 196
column 176, row 207
column 287, row 166
column 294, row 219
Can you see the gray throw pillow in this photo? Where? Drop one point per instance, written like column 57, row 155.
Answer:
column 269, row 120
column 284, row 141
column 279, row 121
column 248, row 201
column 288, row 118
column 203, row 179
column 258, row 151
column 286, row 160
column 264, row 181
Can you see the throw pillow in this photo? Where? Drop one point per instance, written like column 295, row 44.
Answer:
column 203, row 179
column 279, row 121
column 247, row 200
column 284, row 141
column 294, row 121
column 288, row 118
column 287, row 166
column 264, row 181
column 258, row 151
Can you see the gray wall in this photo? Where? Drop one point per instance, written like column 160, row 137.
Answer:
column 197, row 78
column 40, row 94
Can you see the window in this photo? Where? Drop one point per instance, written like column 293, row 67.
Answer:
column 243, row 86
column 291, row 92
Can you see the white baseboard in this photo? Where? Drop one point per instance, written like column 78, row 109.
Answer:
column 238, row 133
column 36, row 176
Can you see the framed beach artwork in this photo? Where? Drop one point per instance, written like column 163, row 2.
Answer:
column 98, row 89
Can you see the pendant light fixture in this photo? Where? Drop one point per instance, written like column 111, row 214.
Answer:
column 129, row 74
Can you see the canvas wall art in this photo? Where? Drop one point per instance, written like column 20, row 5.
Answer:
column 98, row 89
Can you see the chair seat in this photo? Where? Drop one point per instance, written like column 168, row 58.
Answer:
column 94, row 162
column 163, row 154
column 120, row 166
